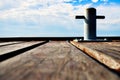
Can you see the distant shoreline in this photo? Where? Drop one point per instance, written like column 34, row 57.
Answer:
column 53, row 38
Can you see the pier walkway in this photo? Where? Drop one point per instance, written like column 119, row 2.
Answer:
column 55, row 60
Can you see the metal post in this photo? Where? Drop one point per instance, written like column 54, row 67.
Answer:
column 90, row 24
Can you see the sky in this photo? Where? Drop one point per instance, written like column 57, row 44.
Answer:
column 56, row 18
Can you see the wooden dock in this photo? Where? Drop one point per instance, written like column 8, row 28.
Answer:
column 55, row 60
column 107, row 53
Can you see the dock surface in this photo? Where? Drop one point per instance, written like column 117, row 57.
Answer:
column 53, row 60
column 107, row 53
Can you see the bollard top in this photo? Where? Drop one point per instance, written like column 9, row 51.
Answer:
column 91, row 10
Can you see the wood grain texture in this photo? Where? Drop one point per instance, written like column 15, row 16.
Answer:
column 9, row 43
column 56, row 60
column 10, row 48
column 107, row 53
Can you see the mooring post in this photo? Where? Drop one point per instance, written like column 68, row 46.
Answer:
column 90, row 24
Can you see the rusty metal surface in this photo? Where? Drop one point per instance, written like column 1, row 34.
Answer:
column 56, row 60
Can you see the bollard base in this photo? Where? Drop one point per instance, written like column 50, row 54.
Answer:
column 97, row 40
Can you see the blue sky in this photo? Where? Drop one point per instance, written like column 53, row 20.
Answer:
column 55, row 18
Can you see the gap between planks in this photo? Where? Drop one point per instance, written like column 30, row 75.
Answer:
column 11, row 54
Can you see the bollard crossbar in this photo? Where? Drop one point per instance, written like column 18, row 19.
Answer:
column 82, row 17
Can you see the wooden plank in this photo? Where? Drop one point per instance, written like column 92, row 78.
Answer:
column 20, row 51
column 4, row 43
column 107, row 53
column 110, row 48
column 9, row 43
column 54, row 61
column 10, row 48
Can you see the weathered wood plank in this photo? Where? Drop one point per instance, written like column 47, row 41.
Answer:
column 10, row 48
column 54, row 61
column 9, row 43
column 110, row 48
column 20, row 51
column 107, row 53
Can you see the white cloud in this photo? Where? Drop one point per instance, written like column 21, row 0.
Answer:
column 68, row 0
column 47, row 13
column 94, row 1
column 111, row 13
